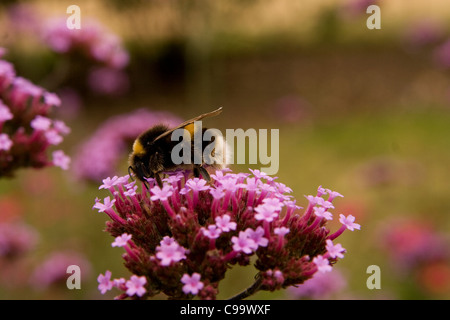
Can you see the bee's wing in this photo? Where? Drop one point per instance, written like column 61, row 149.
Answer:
column 202, row 116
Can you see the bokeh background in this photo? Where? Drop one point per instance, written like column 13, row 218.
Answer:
column 363, row 112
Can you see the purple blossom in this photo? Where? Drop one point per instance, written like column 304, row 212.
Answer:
column 131, row 192
column 5, row 113
column 61, row 127
column 324, row 203
column 60, row 159
column 108, row 81
column 109, row 182
column 188, row 227
column 281, row 231
column 93, row 40
column 217, row 193
column 135, row 286
column 30, row 130
column 53, row 137
column 104, row 282
column 102, row 207
column 261, row 175
column 192, row 284
column 333, row 194
column 5, row 142
column 161, row 194
column 243, row 243
column 212, row 232
column 257, row 236
column 122, row 240
column 41, row 123
column 323, row 213
column 53, row 270
column 273, row 203
column 16, row 239
column 320, row 286
column 349, row 222
column 52, row 99
column 170, row 252
column 266, row 213
column 197, row 184
column 225, row 224
column 323, row 265
column 334, row 251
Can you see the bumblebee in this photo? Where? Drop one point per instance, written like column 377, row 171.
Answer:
column 151, row 155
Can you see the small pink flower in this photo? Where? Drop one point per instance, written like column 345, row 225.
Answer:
column 5, row 113
column 266, row 212
column 217, row 193
column 335, row 251
column 192, row 284
column 109, row 182
column 41, row 123
column 212, row 232
column 135, row 286
column 170, row 251
column 53, row 137
column 61, row 160
column 5, row 142
column 281, row 231
column 161, row 194
column 108, row 204
column 349, row 222
column 323, row 265
column 197, row 184
column 104, row 282
column 225, row 224
column 257, row 236
column 321, row 212
column 333, row 194
column 243, row 243
column 122, row 240
column 273, row 203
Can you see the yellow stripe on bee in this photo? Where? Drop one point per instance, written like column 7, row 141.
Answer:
column 190, row 128
column 138, row 148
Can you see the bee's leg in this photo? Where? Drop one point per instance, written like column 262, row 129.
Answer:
column 200, row 170
column 158, row 180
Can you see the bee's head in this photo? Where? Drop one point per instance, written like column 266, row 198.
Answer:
column 146, row 159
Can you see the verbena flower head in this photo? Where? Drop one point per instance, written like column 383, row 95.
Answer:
column 320, row 286
column 183, row 237
column 92, row 41
column 16, row 239
column 26, row 129
column 53, row 270
column 411, row 244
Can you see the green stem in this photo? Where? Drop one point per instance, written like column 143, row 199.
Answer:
column 250, row 290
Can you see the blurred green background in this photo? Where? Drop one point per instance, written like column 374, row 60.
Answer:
column 363, row 112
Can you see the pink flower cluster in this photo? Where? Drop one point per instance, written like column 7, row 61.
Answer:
column 182, row 238
column 411, row 244
column 97, row 157
column 16, row 239
column 26, row 130
column 101, row 50
column 53, row 270
column 92, row 41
